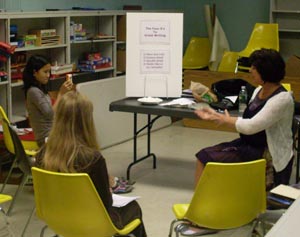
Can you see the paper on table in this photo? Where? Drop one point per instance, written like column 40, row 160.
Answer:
column 180, row 101
column 286, row 191
column 121, row 201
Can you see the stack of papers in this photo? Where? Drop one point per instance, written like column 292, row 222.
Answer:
column 121, row 201
column 187, row 93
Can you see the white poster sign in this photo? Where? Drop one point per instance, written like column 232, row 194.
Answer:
column 155, row 61
column 155, row 32
column 154, row 54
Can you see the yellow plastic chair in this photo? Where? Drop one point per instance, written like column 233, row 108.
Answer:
column 29, row 146
column 264, row 35
column 228, row 62
column 3, row 199
column 197, row 53
column 70, row 205
column 287, row 86
column 21, row 160
column 228, row 195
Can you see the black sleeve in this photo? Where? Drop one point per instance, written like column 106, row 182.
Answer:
column 99, row 175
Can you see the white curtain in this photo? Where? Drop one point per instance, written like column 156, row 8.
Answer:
column 217, row 37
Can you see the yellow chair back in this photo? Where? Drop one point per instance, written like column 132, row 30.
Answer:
column 70, row 205
column 264, row 35
column 229, row 195
column 3, row 114
column 287, row 86
column 30, row 146
column 6, row 134
column 197, row 53
column 228, row 62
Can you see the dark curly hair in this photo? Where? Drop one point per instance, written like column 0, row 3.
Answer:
column 269, row 64
column 34, row 64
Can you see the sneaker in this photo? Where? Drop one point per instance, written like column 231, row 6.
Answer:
column 123, row 181
column 121, row 188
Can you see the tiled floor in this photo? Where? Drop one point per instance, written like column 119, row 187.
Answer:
column 171, row 182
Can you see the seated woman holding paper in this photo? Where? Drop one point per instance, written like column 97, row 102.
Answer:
column 265, row 125
column 72, row 147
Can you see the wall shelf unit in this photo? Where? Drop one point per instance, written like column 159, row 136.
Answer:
column 287, row 14
column 99, row 34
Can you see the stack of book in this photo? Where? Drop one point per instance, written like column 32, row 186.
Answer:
column 57, row 70
column 283, row 196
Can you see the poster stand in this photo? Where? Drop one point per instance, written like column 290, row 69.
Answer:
column 154, row 54
column 147, row 80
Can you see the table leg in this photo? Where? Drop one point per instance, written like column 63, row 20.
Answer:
column 135, row 136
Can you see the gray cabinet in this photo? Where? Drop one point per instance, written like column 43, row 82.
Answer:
column 287, row 14
column 101, row 29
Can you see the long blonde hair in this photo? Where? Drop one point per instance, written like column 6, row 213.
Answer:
column 72, row 140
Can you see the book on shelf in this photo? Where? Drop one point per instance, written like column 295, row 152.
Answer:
column 61, row 69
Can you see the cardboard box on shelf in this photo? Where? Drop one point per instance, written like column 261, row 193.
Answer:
column 48, row 40
column 293, row 66
column 30, row 40
column 43, row 32
column 121, row 28
column 121, row 60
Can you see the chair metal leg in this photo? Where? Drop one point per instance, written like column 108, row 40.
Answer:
column 4, row 214
column 43, row 231
column 8, row 175
column 262, row 224
column 172, row 226
column 5, row 229
column 28, row 221
column 20, row 188
column 177, row 230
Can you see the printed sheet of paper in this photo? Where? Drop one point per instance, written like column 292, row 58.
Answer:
column 286, row 191
column 121, row 201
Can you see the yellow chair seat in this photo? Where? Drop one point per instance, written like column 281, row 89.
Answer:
column 129, row 227
column 5, row 198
